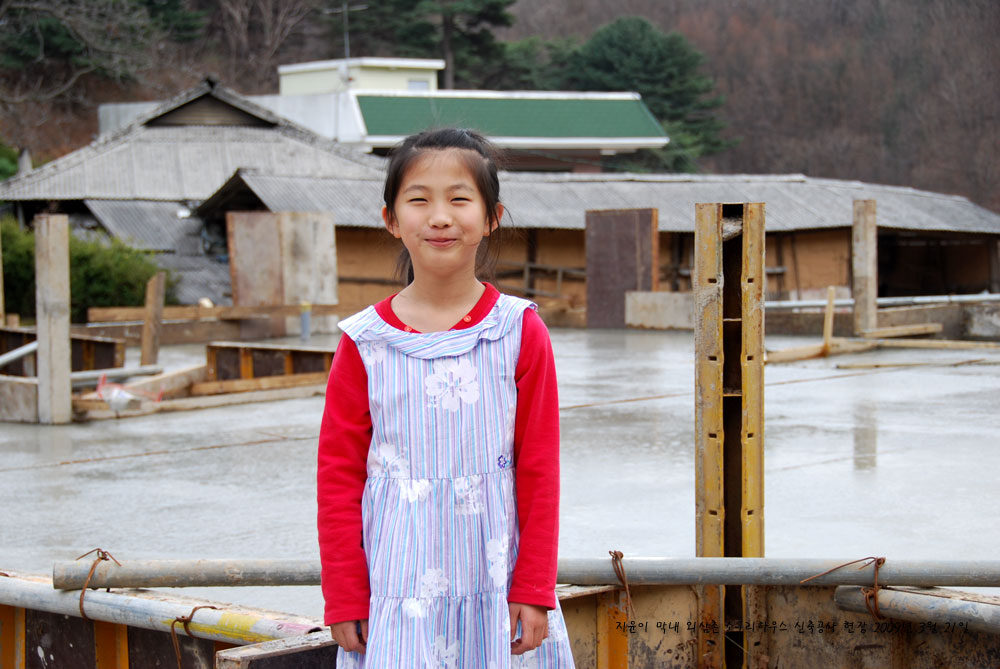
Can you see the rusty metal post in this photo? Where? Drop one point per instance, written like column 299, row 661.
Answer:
column 864, row 266
column 729, row 417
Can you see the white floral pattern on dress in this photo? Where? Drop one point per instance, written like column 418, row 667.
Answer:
column 385, row 460
column 469, row 491
column 496, row 554
column 432, row 584
column 414, row 490
column 452, row 382
column 373, row 351
column 443, row 655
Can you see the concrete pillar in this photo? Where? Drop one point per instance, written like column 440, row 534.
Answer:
column 52, row 314
column 994, row 248
column 864, row 254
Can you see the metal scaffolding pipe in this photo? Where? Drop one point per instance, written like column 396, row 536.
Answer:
column 579, row 571
column 917, row 300
column 923, row 607
column 236, row 626
column 18, row 353
column 90, row 377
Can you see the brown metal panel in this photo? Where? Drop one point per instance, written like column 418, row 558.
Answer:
column 55, row 640
column 148, row 648
column 622, row 251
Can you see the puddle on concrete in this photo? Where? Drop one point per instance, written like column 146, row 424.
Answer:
column 897, row 462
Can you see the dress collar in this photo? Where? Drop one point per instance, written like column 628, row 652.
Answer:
column 474, row 317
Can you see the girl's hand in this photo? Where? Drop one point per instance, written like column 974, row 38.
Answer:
column 351, row 635
column 534, row 627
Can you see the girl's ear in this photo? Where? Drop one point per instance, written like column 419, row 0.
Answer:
column 495, row 223
column 390, row 222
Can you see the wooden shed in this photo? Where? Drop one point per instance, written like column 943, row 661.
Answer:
column 929, row 243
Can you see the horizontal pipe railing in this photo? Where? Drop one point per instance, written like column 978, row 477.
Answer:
column 919, row 607
column 18, row 353
column 231, row 625
column 578, row 571
column 916, row 300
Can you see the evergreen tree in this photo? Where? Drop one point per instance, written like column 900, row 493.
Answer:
column 457, row 31
column 632, row 54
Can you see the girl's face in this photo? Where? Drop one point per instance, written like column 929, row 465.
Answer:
column 440, row 215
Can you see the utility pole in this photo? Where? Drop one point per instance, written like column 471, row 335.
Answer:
column 346, row 10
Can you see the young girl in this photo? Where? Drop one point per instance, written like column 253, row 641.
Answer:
column 438, row 479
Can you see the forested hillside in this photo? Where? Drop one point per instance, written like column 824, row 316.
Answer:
column 900, row 92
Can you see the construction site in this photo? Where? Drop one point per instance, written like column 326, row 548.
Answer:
column 180, row 445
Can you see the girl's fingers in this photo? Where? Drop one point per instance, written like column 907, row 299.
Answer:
column 347, row 637
column 534, row 627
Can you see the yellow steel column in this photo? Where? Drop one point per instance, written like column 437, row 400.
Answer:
column 753, row 286
column 612, row 640
column 12, row 637
column 729, row 418
column 110, row 645
column 709, row 505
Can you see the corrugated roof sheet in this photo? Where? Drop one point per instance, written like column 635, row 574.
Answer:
column 151, row 226
column 537, row 117
column 200, row 276
column 181, row 163
column 793, row 202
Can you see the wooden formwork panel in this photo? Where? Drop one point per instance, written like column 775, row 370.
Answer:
column 149, row 648
column 86, row 351
column 55, row 640
column 622, row 249
column 233, row 360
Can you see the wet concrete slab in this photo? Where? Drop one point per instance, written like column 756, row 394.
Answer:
column 895, row 461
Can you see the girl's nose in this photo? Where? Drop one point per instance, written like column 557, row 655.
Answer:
column 439, row 218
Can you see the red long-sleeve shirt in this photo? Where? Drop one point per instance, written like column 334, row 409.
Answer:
column 345, row 436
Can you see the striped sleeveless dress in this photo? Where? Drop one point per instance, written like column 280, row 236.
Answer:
column 439, row 509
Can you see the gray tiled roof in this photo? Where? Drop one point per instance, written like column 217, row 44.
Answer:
column 534, row 200
column 151, row 226
column 181, row 163
column 200, row 276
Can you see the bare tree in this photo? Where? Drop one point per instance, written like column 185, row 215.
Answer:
column 113, row 36
column 255, row 32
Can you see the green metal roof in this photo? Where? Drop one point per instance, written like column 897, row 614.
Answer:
column 541, row 117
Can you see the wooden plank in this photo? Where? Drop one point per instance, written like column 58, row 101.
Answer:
column 255, row 261
column 621, row 248
column 67, row 641
column 903, row 330
column 311, row 650
column 171, row 384
column 261, row 383
column 207, row 402
column 246, row 363
column 828, row 317
column 52, row 301
column 152, row 318
column 195, row 313
column 864, row 266
column 934, row 343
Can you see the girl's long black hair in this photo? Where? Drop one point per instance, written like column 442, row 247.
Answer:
column 481, row 158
